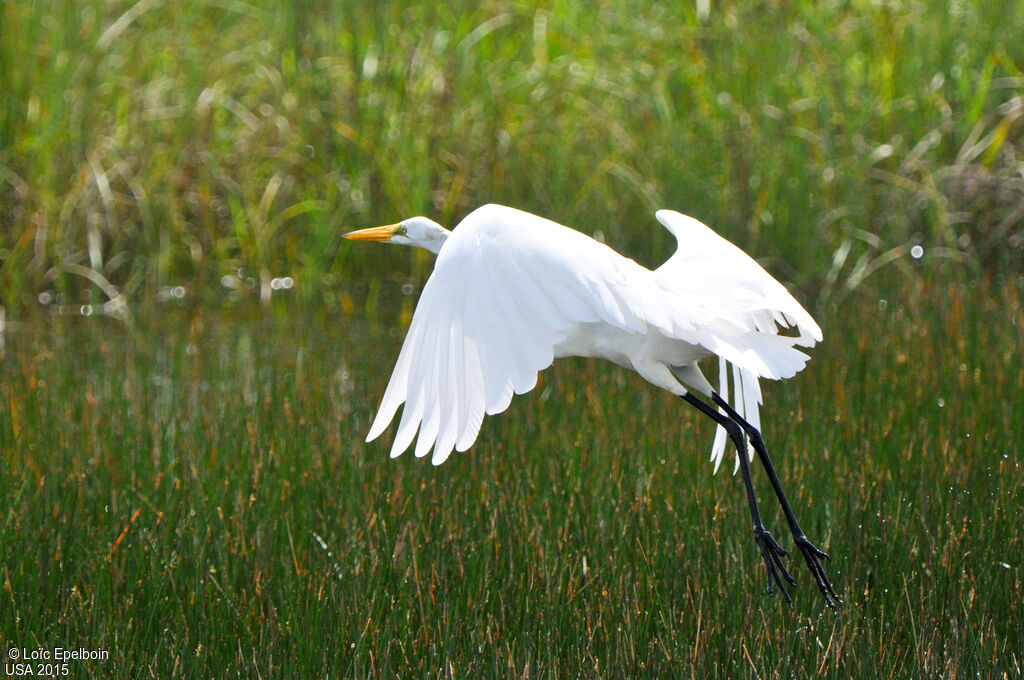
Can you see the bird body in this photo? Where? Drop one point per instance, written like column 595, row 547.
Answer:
column 511, row 292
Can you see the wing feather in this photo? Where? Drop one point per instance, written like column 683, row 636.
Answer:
column 451, row 392
column 736, row 305
column 487, row 322
column 432, row 394
column 471, row 416
column 737, row 309
column 508, row 287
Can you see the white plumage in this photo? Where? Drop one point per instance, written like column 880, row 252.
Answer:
column 511, row 292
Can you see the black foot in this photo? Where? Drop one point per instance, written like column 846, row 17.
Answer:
column 813, row 556
column 772, row 553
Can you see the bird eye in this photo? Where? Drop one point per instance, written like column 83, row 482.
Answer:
column 400, row 230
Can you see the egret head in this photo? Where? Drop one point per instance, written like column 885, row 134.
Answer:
column 415, row 231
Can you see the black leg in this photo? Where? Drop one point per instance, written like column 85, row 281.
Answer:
column 771, row 552
column 812, row 555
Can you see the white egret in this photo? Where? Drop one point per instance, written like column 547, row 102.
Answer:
column 511, row 292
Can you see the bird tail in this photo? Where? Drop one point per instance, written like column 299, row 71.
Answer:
column 746, row 400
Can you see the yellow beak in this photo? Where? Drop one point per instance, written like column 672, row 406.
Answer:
column 384, row 233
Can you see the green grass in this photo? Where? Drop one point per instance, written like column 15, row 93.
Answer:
column 183, row 481
column 218, row 145
column 194, row 496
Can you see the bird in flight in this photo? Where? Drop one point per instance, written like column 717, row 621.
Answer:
column 511, row 292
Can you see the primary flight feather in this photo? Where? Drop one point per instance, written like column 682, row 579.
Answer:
column 511, row 292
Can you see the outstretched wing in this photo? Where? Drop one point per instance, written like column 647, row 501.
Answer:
column 507, row 287
column 727, row 290
column 738, row 308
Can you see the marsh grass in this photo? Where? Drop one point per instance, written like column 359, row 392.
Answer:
column 212, row 147
column 183, row 480
column 195, row 497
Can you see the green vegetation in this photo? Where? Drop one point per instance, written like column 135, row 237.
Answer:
column 195, row 497
column 189, row 357
column 219, row 145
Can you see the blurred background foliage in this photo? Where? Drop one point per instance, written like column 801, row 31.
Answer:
column 192, row 492
column 209, row 152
